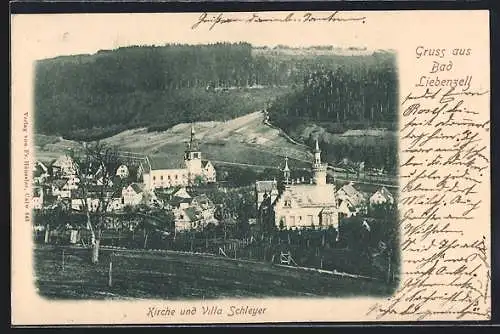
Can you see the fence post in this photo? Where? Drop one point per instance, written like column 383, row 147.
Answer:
column 110, row 272
column 389, row 253
column 63, row 260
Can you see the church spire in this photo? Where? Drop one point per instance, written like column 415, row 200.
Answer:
column 286, row 171
column 317, row 154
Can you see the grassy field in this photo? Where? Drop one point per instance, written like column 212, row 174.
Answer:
column 149, row 275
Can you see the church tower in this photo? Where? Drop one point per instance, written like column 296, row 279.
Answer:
column 192, row 157
column 318, row 168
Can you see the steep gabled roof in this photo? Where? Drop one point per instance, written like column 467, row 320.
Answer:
column 63, row 160
column 307, row 195
column 386, row 194
column 201, row 200
column 182, row 193
column 176, row 201
column 353, row 195
column 59, row 183
column 136, row 187
column 266, row 186
column 164, row 162
column 193, row 214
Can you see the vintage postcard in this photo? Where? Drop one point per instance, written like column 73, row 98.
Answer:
column 250, row 167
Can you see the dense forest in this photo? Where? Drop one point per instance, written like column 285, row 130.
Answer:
column 360, row 95
column 356, row 96
column 95, row 96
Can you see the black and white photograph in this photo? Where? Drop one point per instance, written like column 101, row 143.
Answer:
column 180, row 171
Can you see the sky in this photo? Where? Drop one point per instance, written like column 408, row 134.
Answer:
column 65, row 34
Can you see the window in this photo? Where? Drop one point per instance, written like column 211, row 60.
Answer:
column 176, row 176
column 181, row 217
column 168, row 177
column 288, row 203
column 154, row 177
column 326, row 219
column 161, row 177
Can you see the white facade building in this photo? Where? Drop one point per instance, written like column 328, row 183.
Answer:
column 166, row 172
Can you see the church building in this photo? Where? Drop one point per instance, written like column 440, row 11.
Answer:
column 302, row 205
column 171, row 171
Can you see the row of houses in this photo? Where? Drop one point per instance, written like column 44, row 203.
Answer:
column 60, row 182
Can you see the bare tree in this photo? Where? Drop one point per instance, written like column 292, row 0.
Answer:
column 95, row 166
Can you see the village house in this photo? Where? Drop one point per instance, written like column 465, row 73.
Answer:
column 350, row 201
column 193, row 213
column 72, row 183
column 207, row 208
column 122, row 172
column 115, row 204
column 38, row 198
column 77, row 204
column 40, row 173
column 381, row 197
column 165, row 172
column 302, row 205
column 263, row 189
column 64, row 166
column 180, row 199
column 132, row 194
column 60, row 188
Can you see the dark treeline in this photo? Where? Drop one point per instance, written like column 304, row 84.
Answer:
column 88, row 97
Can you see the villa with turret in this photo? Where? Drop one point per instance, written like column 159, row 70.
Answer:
column 171, row 171
column 298, row 205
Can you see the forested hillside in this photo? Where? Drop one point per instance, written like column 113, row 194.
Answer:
column 359, row 95
column 95, row 96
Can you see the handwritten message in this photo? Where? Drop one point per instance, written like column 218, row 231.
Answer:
column 212, row 20
column 444, row 145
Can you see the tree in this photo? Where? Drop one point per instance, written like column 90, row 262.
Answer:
column 154, row 220
column 95, row 166
column 52, row 217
